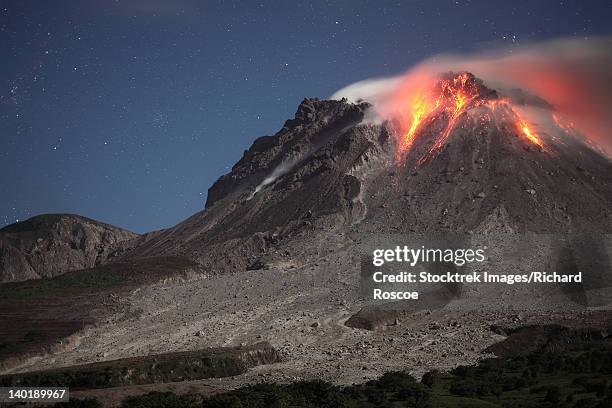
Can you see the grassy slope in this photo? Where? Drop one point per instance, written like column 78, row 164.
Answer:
column 36, row 315
column 161, row 368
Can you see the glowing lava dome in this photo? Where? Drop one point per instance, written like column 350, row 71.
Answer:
column 453, row 95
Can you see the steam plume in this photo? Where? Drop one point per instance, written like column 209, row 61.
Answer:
column 573, row 75
column 278, row 171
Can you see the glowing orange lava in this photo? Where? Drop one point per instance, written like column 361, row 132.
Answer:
column 451, row 97
column 525, row 128
column 566, row 126
column 530, row 135
column 450, row 94
column 459, row 103
column 457, row 92
column 419, row 107
column 418, row 111
column 523, row 125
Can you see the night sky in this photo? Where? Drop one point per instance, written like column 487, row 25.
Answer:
column 127, row 111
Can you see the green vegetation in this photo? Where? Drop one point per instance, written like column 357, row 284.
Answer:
column 146, row 370
column 80, row 403
column 94, row 280
column 578, row 377
column 391, row 390
column 163, row 400
column 119, row 276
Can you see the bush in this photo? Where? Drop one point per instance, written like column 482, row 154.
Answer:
column 553, row 395
column 431, row 378
column 590, row 384
column 586, row 403
column 157, row 399
column 80, row 403
column 395, row 381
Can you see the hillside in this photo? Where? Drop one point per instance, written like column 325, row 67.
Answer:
column 51, row 244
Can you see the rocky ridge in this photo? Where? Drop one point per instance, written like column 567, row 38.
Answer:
column 52, row 244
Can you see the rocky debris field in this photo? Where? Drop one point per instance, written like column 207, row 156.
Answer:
column 301, row 311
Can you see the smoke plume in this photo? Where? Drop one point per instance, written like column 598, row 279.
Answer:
column 573, row 77
column 278, row 171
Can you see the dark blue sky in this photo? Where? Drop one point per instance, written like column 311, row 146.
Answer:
column 127, row 111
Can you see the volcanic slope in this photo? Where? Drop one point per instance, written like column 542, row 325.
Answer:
column 473, row 167
column 292, row 184
column 477, row 165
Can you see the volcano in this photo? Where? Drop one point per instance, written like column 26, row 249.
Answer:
column 465, row 162
column 274, row 254
column 462, row 159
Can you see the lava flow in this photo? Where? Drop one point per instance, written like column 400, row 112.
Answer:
column 452, row 96
column 530, row 135
column 458, row 92
column 419, row 108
